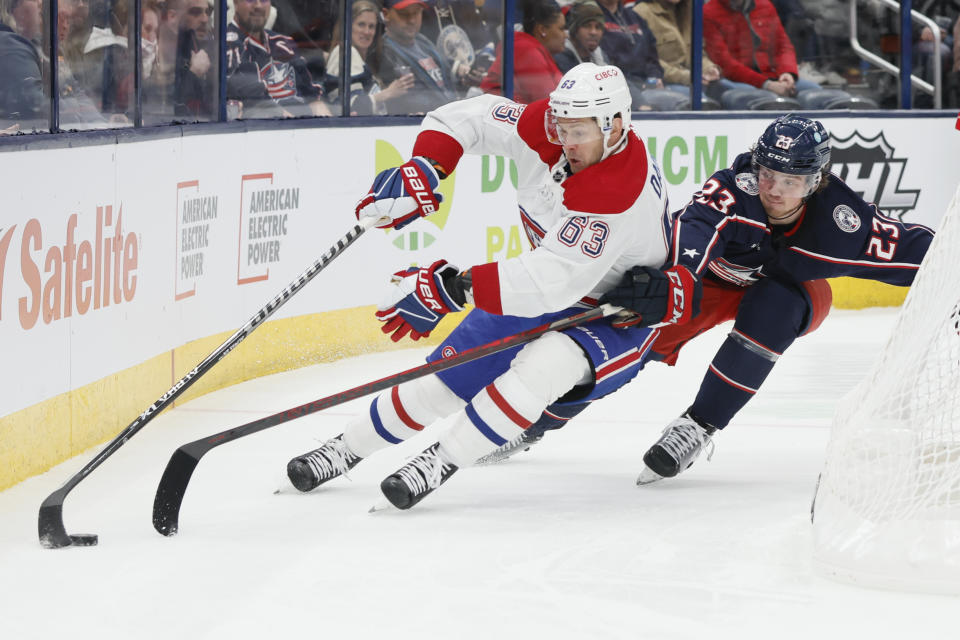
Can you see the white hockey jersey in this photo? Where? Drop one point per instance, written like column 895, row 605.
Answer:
column 586, row 229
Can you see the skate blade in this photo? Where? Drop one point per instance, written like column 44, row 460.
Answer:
column 647, row 476
column 382, row 505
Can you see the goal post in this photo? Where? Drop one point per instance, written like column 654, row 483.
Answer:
column 887, row 509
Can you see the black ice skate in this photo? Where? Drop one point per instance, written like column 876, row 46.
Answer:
column 416, row 479
column 522, row 442
column 309, row 471
column 677, row 449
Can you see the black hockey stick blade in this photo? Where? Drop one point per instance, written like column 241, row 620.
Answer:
column 176, row 477
column 50, row 526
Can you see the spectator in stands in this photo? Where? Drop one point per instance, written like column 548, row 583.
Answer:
column 585, row 27
column 367, row 96
column 27, row 20
column 149, row 33
column 73, row 40
column 194, row 81
column 746, row 39
column 629, row 43
column 465, row 32
column 924, row 53
column 535, row 72
column 266, row 74
column 105, row 67
column 671, row 23
column 167, row 36
column 22, row 104
column 77, row 110
column 405, row 51
column 480, row 20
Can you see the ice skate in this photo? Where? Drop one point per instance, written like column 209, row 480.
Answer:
column 309, row 471
column 522, row 442
column 416, row 479
column 676, row 450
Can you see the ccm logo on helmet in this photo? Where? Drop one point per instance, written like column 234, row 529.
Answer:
column 421, row 193
column 607, row 73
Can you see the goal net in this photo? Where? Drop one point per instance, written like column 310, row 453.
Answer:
column 887, row 510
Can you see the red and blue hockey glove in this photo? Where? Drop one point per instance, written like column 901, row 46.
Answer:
column 671, row 296
column 402, row 194
column 418, row 299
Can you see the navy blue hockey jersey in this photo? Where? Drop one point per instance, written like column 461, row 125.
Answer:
column 724, row 233
column 270, row 71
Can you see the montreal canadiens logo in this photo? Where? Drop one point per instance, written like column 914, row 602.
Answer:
column 448, row 352
column 846, row 218
column 747, row 182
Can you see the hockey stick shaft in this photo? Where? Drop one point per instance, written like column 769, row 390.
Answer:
column 51, row 528
column 176, row 477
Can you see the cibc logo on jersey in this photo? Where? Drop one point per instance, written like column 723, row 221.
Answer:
column 869, row 167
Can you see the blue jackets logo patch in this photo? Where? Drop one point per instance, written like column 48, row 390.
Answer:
column 747, row 182
column 846, row 218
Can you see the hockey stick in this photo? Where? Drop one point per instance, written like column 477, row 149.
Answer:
column 176, row 477
column 53, row 534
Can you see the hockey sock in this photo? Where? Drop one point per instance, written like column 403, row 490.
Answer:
column 399, row 413
column 737, row 371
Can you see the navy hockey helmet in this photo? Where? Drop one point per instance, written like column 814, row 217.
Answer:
column 795, row 145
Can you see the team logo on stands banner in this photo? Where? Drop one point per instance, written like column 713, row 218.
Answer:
column 417, row 235
column 869, row 167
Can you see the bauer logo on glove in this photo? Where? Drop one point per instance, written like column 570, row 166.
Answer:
column 418, row 299
column 402, row 194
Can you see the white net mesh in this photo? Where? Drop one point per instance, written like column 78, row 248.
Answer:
column 887, row 511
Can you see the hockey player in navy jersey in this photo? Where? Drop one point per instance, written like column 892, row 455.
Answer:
column 760, row 238
column 593, row 204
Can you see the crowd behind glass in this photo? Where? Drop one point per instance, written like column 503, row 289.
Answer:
column 283, row 57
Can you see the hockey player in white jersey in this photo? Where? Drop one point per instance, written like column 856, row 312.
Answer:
column 593, row 204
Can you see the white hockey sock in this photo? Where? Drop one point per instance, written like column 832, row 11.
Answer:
column 399, row 413
column 540, row 373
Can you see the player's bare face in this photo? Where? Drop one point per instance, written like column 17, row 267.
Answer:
column 364, row 28
column 252, row 15
column 403, row 25
column 782, row 194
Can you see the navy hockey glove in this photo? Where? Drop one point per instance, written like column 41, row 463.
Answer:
column 418, row 299
column 671, row 296
column 402, row 194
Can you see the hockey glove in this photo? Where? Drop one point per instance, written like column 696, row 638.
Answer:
column 402, row 194
column 418, row 299
column 671, row 296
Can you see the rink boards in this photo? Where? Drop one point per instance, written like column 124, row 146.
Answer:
column 139, row 258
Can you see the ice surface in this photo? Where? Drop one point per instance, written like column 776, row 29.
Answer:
column 557, row 542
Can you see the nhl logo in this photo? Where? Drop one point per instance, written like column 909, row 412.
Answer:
column 846, row 218
column 870, row 167
column 747, row 182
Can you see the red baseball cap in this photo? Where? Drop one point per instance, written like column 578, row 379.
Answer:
column 403, row 4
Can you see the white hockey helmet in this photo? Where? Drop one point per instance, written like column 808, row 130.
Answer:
column 591, row 91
